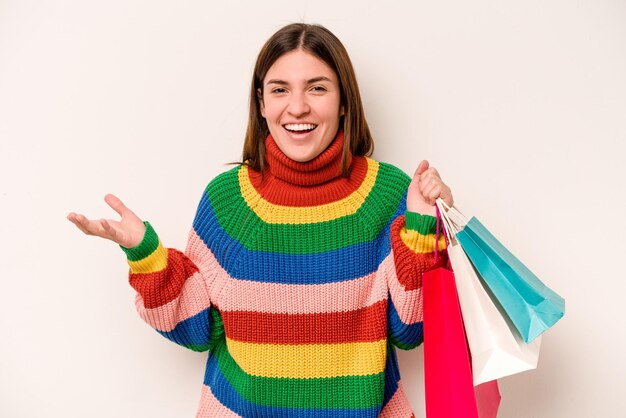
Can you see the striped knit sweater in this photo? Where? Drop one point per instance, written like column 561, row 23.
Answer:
column 300, row 284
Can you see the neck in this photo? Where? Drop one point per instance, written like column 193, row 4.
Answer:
column 321, row 169
column 316, row 182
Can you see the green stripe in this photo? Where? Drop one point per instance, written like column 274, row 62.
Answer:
column 423, row 224
column 400, row 344
column 198, row 347
column 241, row 223
column 350, row 392
column 217, row 329
column 148, row 244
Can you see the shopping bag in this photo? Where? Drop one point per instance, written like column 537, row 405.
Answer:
column 488, row 399
column 448, row 387
column 531, row 305
column 496, row 348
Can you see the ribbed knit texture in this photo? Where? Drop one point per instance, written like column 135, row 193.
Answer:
column 300, row 284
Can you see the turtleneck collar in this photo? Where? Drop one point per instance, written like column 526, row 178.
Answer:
column 319, row 170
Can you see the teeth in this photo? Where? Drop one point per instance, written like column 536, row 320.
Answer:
column 300, row 126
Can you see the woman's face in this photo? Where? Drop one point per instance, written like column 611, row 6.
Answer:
column 301, row 104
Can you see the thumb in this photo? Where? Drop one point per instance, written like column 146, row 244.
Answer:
column 116, row 204
column 423, row 166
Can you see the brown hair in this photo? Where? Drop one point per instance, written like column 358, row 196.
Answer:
column 320, row 42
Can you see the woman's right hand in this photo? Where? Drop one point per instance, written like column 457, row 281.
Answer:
column 128, row 232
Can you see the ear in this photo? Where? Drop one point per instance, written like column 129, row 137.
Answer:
column 259, row 96
column 341, row 111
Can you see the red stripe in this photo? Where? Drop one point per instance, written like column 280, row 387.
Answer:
column 410, row 265
column 361, row 325
column 280, row 192
column 163, row 286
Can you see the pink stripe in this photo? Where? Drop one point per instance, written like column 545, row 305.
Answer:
column 194, row 297
column 192, row 300
column 230, row 294
column 215, row 276
column 398, row 406
column 210, row 407
column 247, row 295
column 408, row 304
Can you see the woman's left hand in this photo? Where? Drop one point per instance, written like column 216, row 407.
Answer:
column 425, row 188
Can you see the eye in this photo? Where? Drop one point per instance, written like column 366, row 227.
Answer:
column 278, row 90
column 318, row 88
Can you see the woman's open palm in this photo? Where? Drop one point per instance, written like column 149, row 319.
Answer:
column 127, row 232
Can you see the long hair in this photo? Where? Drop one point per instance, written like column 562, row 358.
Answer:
column 320, row 42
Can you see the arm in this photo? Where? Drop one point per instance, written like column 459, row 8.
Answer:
column 172, row 295
column 412, row 244
column 413, row 241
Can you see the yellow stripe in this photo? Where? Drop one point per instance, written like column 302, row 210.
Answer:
column 156, row 261
column 309, row 360
column 419, row 243
column 279, row 214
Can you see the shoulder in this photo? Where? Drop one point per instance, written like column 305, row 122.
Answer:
column 222, row 192
column 387, row 198
column 227, row 179
column 391, row 179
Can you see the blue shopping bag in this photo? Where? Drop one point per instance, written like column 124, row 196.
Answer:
column 531, row 305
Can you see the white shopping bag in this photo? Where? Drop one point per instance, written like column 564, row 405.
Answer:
column 496, row 348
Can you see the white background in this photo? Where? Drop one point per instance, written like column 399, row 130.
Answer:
column 520, row 104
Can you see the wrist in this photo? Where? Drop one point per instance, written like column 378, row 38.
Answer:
column 421, row 208
column 422, row 223
column 147, row 245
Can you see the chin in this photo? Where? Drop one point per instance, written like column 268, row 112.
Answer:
column 301, row 157
column 303, row 149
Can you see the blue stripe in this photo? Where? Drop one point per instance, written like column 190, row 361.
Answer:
column 347, row 263
column 409, row 335
column 192, row 331
column 231, row 399
column 392, row 374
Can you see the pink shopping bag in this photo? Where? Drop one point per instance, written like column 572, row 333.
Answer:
column 487, row 399
column 447, row 373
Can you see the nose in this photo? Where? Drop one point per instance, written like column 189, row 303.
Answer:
column 298, row 105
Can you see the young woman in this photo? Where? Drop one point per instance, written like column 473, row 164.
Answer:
column 303, row 268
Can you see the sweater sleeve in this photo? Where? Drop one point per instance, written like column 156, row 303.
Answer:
column 172, row 295
column 413, row 239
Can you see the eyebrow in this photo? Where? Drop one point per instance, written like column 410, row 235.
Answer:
column 310, row 81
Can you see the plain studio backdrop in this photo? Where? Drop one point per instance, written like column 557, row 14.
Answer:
column 520, row 105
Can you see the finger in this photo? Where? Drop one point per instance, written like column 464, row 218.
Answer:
column 424, row 184
column 108, row 231
column 106, row 227
column 116, row 204
column 429, row 174
column 423, row 166
column 72, row 218
column 433, row 172
column 432, row 193
column 427, row 180
column 446, row 195
column 440, row 191
column 83, row 224
column 95, row 228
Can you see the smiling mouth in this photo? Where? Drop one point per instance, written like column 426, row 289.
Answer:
column 300, row 127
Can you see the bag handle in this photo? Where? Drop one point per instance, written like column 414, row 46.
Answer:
column 441, row 220
column 437, row 234
column 454, row 215
column 450, row 228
